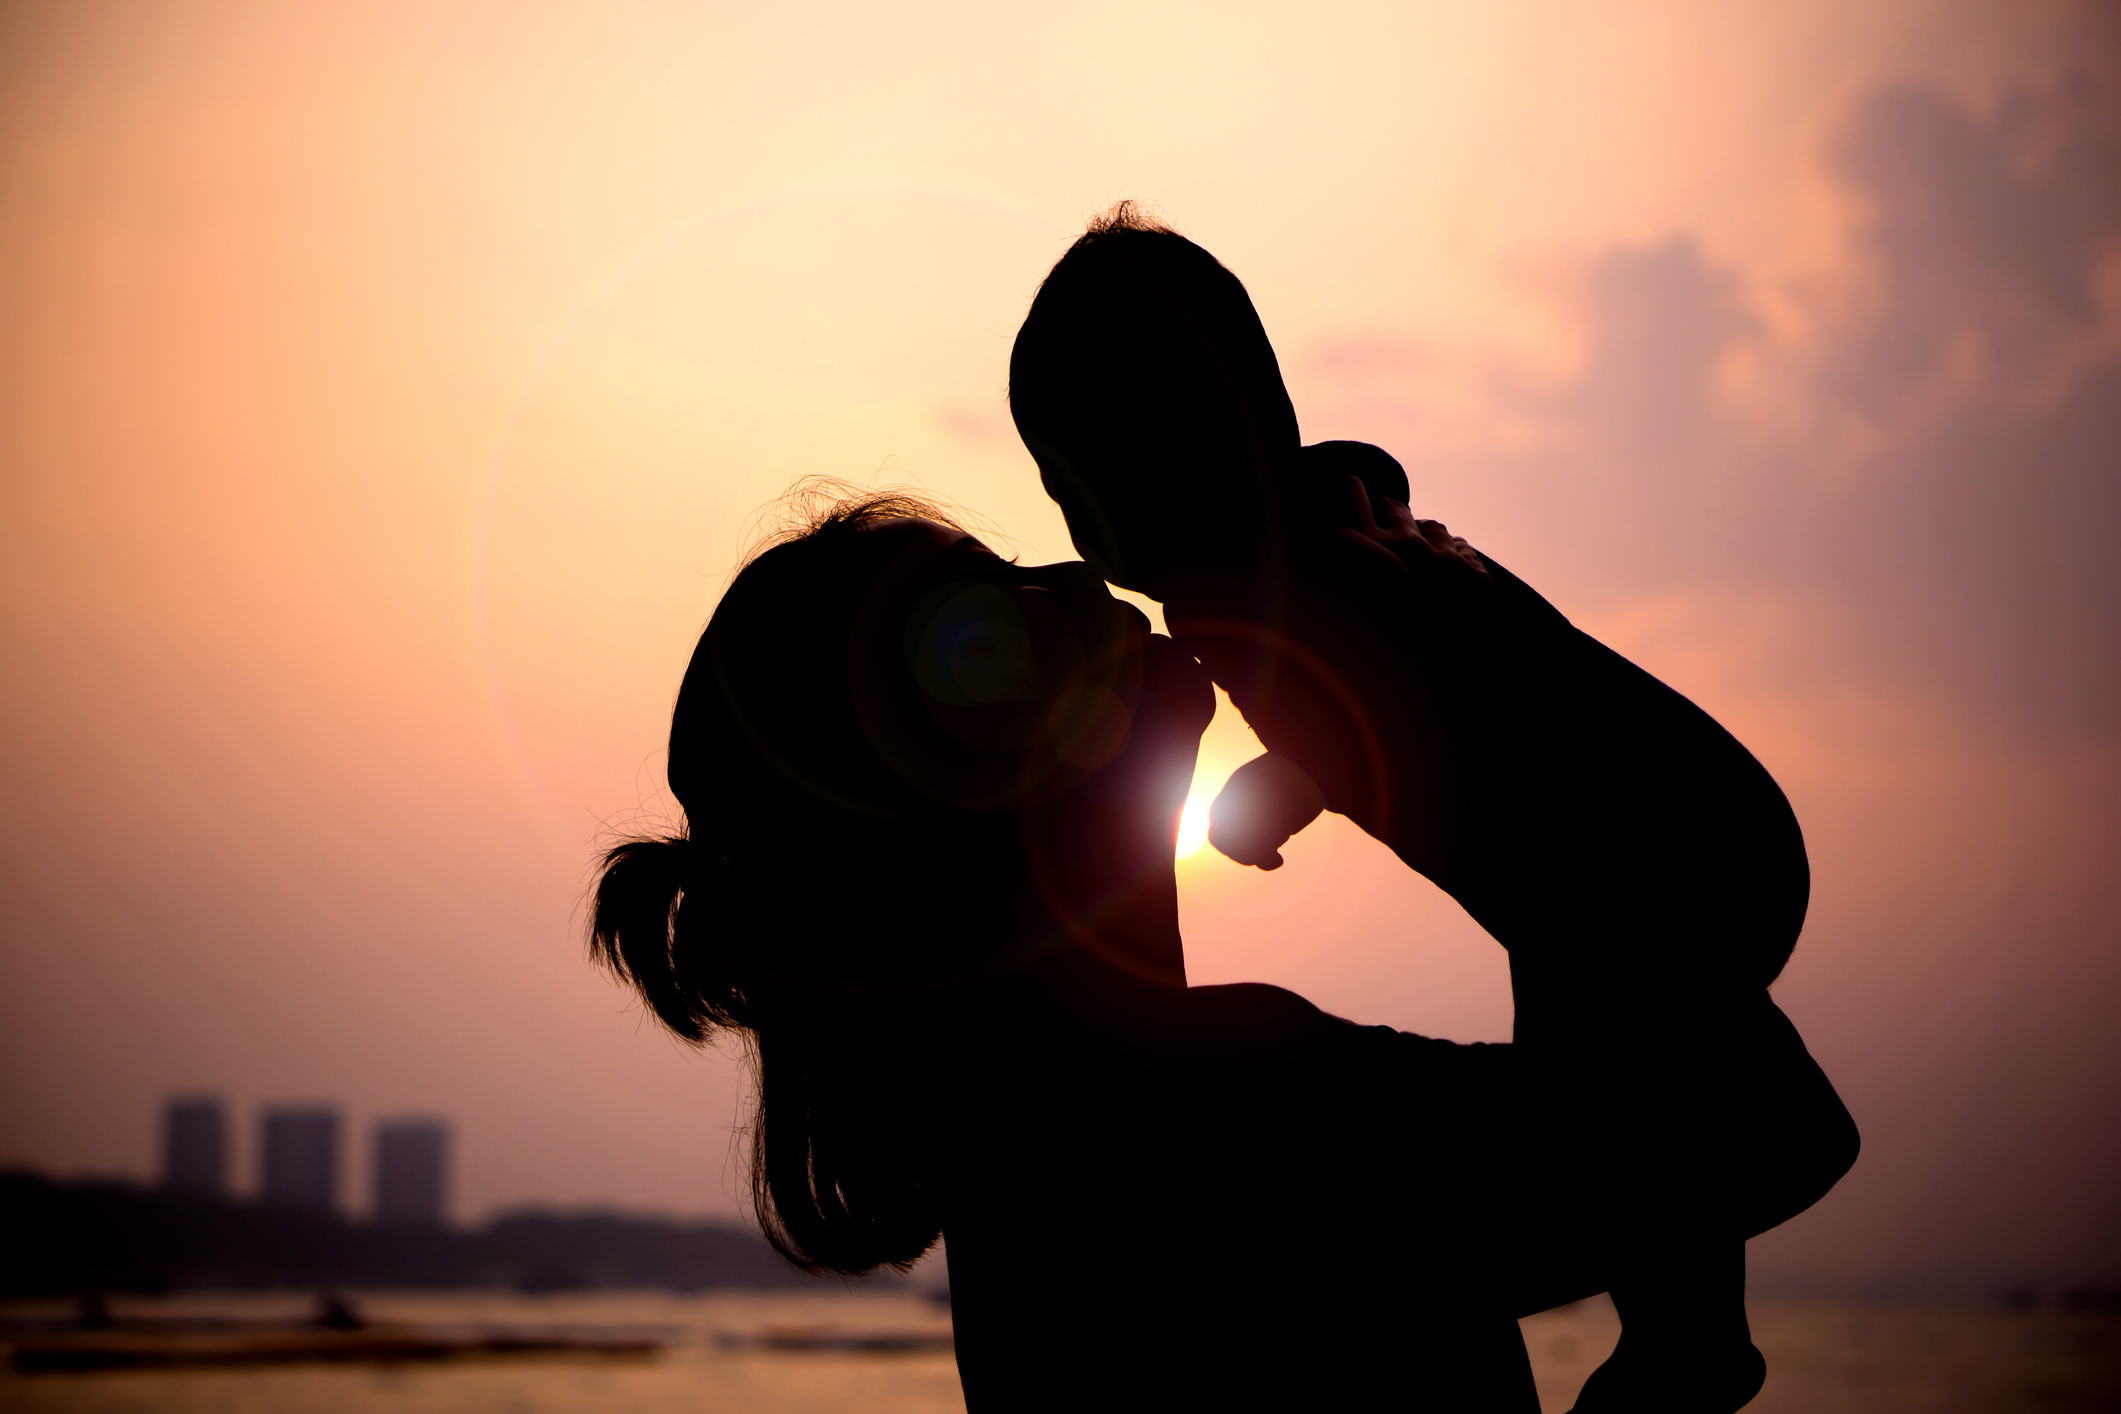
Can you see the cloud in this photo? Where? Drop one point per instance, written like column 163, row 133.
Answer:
column 1663, row 320
column 1869, row 521
column 1925, row 450
column 1984, row 350
column 1985, row 240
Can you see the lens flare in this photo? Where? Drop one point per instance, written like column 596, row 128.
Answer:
column 1192, row 826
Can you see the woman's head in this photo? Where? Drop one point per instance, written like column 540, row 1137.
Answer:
column 1145, row 387
column 873, row 699
column 881, row 728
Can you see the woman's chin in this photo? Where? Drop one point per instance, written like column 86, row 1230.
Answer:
column 1180, row 682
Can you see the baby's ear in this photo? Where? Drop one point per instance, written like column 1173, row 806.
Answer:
column 1267, row 800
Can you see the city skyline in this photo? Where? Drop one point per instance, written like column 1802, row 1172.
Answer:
column 298, row 1158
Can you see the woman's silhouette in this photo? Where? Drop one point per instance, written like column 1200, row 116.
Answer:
column 927, row 876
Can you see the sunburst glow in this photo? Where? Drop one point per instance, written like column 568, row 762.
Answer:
column 1192, row 826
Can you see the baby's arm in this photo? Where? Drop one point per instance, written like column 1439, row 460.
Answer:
column 1270, row 798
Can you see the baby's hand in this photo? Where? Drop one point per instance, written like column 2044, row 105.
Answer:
column 1267, row 800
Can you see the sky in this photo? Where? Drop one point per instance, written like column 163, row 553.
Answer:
column 388, row 390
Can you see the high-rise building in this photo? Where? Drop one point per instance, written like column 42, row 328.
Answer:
column 195, row 1145
column 300, row 1164
column 412, row 1172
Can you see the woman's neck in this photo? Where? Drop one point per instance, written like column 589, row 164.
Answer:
column 1100, row 882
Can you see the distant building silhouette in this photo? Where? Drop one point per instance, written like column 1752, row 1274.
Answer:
column 195, row 1145
column 300, row 1167
column 412, row 1172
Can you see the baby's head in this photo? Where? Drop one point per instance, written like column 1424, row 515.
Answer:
column 1144, row 385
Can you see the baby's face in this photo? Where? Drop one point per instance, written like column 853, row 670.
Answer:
column 1197, row 494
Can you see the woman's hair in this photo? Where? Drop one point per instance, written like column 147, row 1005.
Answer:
column 1144, row 384
column 814, row 903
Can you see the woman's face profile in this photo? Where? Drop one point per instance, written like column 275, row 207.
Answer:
column 990, row 684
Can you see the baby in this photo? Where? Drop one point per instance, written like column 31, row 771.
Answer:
column 1643, row 870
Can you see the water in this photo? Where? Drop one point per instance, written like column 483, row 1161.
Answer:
column 1823, row 1359
column 1828, row 1358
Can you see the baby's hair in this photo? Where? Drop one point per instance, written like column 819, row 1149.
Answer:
column 1126, row 216
column 1145, row 387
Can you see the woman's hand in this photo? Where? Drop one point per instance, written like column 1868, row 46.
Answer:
column 1410, row 544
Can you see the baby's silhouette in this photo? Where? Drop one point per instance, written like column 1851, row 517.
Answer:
column 1643, row 870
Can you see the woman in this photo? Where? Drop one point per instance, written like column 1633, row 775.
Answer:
column 927, row 874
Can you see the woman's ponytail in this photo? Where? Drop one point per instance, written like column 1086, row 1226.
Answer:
column 840, row 1150
column 632, row 929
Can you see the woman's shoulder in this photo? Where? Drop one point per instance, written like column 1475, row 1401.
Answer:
column 1258, row 1009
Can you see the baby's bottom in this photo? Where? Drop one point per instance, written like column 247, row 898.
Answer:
column 1699, row 1105
column 1695, row 1118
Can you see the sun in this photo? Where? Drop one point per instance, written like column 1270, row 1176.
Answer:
column 1192, row 826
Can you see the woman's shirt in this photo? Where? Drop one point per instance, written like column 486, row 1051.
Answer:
column 1264, row 1207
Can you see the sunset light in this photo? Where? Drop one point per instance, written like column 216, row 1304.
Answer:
column 1192, row 826
column 390, row 392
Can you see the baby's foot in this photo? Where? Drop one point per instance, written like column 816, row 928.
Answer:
column 1674, row 1381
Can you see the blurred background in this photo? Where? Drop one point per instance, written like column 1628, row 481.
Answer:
column 387, row 391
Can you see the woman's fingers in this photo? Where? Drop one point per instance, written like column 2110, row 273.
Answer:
column 1359, row 502
column 1403, row 535
column 1372, row 545
column 1451, row 547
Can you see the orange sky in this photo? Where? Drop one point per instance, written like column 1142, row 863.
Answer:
column 386, row 390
